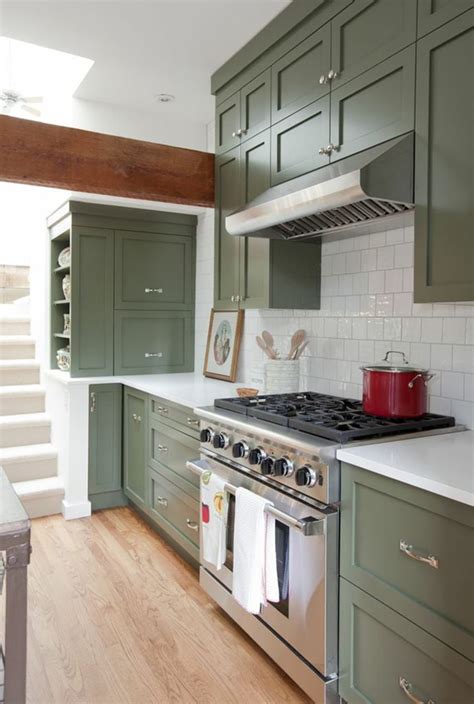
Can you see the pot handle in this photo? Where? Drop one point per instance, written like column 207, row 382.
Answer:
column 426, row 378
column 385, row 359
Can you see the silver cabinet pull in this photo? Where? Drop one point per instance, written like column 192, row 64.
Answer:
column 192, row 525
column 162, row 448
column 332, row 75
column 162, row 501
column 163, row 409
column 322, row 150
column 323, row 80
column 237, row 299
column 192, row 421
column 409, row 550
column 153, row 290
column 407, row 689
column 136, row 418
column 153, row 354
column 93, row 402
column 232, row 298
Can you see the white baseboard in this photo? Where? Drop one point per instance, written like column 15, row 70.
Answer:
column 79, row 510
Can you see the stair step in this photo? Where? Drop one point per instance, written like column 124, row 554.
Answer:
column 25, row 429
column 28, row 462
column 17, row 347
column 25, row 398
column 15, row 325
column 41, row 497
column 19, row 371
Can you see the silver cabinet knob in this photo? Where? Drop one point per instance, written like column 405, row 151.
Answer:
column 323, row 80
column 192, row 525
column 136, row 418
column 93, row 402
column 153, row 354
column 242, row 131
column 162, row 501
column 332, row 75
column 192, row 421
column 153, row 290
column 232, row 298
column 322, row 150
column 234, row 134
column 239, row 132
column 162, row 448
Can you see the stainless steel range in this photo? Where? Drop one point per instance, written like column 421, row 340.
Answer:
column 283, row 447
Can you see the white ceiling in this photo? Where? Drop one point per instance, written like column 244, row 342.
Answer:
column 143, row 47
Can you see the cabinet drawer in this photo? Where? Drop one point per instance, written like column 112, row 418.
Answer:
column 153, row 271
column 176, row 507
column 385, row 527
column 173, row 449
column 375, row 107
column 149, row 341
column 381, row 652
column 179, row 417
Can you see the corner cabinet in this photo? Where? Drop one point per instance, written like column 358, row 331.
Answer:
column 444, row 223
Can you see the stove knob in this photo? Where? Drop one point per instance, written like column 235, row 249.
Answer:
column 284, row 467
column 256, row 455
column 267, row 466
column 306, row 476
column 206, row 435
column 220, row 441
column 240, row 449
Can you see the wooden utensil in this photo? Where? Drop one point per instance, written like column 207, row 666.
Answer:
column 270, row 353
column 300, row 349
column 269, row 341
column 297, row 340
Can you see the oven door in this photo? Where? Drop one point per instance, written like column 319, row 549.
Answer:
column 306, row 616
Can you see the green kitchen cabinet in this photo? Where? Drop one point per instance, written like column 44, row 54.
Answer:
column 243, row 114
column 434, row 13
column 368, row 32
column 151, row 342
column 226, row 249
column 105, row 446
column 444, row 223
column 387, row 659
column 135, row 415
column 374, row 107
column 297, row 141
column 300, row 76
column 154, row 271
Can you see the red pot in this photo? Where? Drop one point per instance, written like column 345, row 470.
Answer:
column 392, row 391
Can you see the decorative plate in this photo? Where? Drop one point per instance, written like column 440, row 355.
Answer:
column 64, row 258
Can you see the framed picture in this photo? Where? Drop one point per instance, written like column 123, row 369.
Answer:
column 223, row 344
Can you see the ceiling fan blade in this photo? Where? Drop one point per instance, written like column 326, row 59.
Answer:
column 33, row 100
column 32, row 111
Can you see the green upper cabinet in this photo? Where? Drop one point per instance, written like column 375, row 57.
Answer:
column 366, row 33
column 375, row 107
column 300, row 76
column 153, row 271
column 105, row 445
column 296, row 142
column 444, row 225
column 228, row 123
column 135, row 444
column 226, row 251
column 433, row 13
column 92, row 348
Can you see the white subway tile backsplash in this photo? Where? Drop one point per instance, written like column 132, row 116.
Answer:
column 463, row 358
column 385, row 258
column 376, row 282
column 394, row 280
column 463, row 411
column 442, row 357
column 469, row 387
column 360, row 283
column 454, row 330
column 452, row 385
column 368, row 260
column 392, row 328
column 431, row 329
column 402, row 304
column 338, row 264
column 359, row 328
column 384, row 304
column 420, row 354
column 367, row 305
column 353, row 262
column 378, row 239
column 408, row 279
column 411, row 329
column 344, row 328
column 375, row 328
column 403, row 255
column 395, row 236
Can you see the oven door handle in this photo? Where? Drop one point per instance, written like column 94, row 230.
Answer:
column 306, row 526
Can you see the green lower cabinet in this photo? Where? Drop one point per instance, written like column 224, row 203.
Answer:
column 171, row 449
column 134, row 445
column 386, row 659
column 105, row 446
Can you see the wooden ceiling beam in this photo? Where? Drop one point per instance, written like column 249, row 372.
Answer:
column 78, row 160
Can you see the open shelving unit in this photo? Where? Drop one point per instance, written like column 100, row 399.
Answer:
column 59, row 305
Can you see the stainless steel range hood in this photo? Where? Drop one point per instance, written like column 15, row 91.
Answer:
column 344, row 196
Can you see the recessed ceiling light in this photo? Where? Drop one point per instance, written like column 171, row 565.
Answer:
column 165, row 97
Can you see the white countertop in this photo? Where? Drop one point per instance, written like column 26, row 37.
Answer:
column 442, row 464
column 189, row 389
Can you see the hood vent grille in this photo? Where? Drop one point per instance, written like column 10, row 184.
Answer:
column 337, row 218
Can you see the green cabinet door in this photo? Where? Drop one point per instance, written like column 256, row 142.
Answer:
column 444, row 224
column 300, row 76
column 228, row 123
column 296, row 141
column 134, row 445
column 150, row 342
column 153, row 271
column 105, row 446
column 375, row 107
column 255, row 106
column 386, row 659
column 433, row 13
column 254, row 251
column 226, row 255
column 366, row 33
column 92, row 301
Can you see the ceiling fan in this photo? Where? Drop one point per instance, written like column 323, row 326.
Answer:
column 11, row 100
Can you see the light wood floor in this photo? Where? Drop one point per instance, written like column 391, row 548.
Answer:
column 115, row 616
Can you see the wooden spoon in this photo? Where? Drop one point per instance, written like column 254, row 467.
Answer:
column 297, row 340
column 300, row 349
column 270, row 353
column 269, row 341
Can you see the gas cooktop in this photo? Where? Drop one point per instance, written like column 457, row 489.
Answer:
column 331, row 417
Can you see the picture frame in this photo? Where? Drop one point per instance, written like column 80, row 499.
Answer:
column 223, row 344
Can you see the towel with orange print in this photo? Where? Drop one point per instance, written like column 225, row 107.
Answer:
column 214, row 503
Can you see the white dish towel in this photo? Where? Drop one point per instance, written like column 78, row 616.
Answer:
column 214, row 505
column 255, row 579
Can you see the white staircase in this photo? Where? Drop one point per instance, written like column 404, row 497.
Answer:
column 26, row 453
